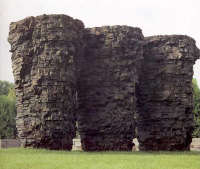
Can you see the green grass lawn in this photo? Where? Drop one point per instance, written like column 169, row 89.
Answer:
column 19, row 158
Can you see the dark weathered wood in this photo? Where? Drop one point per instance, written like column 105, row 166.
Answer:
column 113, row 72
column 165, row 103
column 44, row 59
column 106, row 89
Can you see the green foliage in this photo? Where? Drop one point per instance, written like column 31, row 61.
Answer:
column 196, row 110
column 5, row 87
column 7, row 110
column 11, row 94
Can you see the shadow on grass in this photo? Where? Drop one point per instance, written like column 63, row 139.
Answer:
column 144, row 153
column 44, row 151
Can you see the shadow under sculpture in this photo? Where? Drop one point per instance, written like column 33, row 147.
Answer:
column 106, row 90
column 44, row 55
column 165, row 100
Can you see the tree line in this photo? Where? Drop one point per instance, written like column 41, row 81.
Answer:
column 196, row 108
column 8, row 110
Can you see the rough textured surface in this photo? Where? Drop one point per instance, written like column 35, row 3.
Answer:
column 44, row 55
column 165, row 118
column 106, row 91
column 57, row 62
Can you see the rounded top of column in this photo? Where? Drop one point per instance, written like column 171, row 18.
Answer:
column 169, row 39
column 49, row 27
column 173, row 46
column 119, row 30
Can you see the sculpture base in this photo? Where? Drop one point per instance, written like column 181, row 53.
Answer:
column 100, row 143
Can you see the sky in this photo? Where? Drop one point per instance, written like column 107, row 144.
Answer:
column 154, row 17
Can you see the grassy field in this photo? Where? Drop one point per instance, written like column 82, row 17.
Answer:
column 19, row 158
